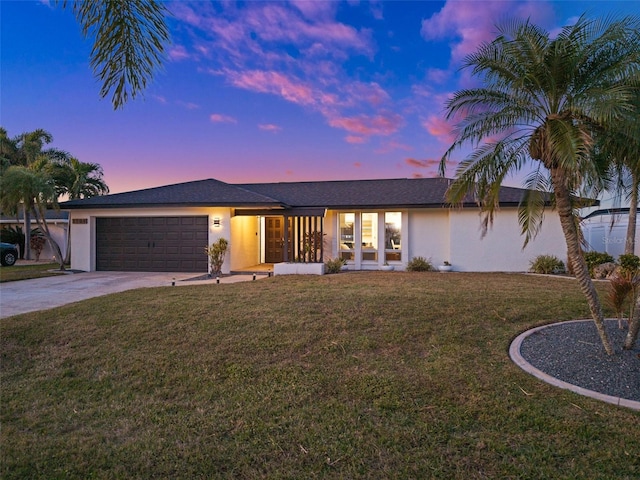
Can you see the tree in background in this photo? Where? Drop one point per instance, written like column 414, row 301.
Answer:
column 25, row 150
column 35, row 191
column 76, row 179
column 545, row 100
column 129, row 43
column 33, row 179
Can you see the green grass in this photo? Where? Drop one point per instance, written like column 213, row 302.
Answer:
column 359, row 375
column 25, row 272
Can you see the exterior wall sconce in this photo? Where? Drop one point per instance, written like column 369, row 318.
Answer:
column 216, row 222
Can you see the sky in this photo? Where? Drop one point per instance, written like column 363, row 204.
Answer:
column 260, row 91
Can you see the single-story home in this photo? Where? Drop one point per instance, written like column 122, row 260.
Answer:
column 368, row 223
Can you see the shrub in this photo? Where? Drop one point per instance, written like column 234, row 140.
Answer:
column 334, row 265
column 216, row 252
column 629, row 264
column 547, row 264
column 37, row 242
column 419, row 264
column 594, row 259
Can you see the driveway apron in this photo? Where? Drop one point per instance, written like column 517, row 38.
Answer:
column 49, row 292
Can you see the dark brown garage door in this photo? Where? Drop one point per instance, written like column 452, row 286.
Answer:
column 152, row 244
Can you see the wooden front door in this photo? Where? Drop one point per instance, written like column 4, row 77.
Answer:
column 274, row 240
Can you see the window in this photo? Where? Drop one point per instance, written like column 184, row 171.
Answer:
column 347, row 238
column 370, row 236
column 393, row 236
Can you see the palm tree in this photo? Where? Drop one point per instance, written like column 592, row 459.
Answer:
column 77, row 179
column 544, row 100
column 35, row 190
column 621, row 146
column 25, row 150
column 129, row 43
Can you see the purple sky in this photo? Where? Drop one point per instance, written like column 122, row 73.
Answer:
column 263, row 91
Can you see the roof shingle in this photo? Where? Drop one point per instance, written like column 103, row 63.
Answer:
column 402, row 192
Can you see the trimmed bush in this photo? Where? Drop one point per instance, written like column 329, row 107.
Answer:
column 334, row 265
column 547, row 264
column 629, row 264
column 419, row 264
column 594, row 259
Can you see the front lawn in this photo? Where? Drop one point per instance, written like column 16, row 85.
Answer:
column 355, row 375
column 24, row 272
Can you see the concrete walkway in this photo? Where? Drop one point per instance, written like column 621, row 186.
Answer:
column 49, row 292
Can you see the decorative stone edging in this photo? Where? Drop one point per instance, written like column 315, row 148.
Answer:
column 518, row 359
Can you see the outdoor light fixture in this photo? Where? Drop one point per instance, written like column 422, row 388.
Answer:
column 216, row 222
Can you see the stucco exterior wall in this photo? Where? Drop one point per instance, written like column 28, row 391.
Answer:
column 429, row 235
column 245, row 234
column 83, row 235
column 501, row 248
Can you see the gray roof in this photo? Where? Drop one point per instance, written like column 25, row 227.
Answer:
column 402, row 192
column 49, row 215
column 207, row 193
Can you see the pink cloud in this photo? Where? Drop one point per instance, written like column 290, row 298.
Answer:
column 428, row 163
column 188, row 105
column 220, row 118
column 392, row 146
column 275, row 83
column 269, row 127
column 177, row 53
column 437, row 75
column 276, row 23
column 357, row 164
column 355, row 139
column 472, row 23
column 371, row 93
column 439, row 128
column 381, row 124
column 315, row 10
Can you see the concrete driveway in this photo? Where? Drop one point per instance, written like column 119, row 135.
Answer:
column 49, row 292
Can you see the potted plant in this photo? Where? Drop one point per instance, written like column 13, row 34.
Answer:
column 445, row 267
column 386, row 267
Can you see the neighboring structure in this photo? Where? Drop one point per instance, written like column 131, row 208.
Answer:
column 58, row 222
column 605, row 230
column 366, row 222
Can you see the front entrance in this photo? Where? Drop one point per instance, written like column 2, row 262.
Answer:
column 274, row 239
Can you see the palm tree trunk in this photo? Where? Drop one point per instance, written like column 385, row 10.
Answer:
column 574, row 252
column 67, row 253
column 630, row 243
column 634, row 327
column 42, row 223
column 26, row 218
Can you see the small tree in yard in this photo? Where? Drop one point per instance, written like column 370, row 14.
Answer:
column 545, row 100
column 216, row 252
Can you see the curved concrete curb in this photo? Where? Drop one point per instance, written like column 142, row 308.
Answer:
column 514, row 353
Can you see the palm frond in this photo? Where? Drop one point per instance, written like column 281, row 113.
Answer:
column 129, row 46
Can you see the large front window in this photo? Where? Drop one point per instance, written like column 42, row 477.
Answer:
column 347, row 235
column 369, row 236
column 392, row 236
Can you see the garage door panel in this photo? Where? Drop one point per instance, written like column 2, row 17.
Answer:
column 163, row 244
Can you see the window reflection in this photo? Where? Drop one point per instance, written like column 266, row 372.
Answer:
column 370, row 236
column 347, row 238
column 393, row 236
